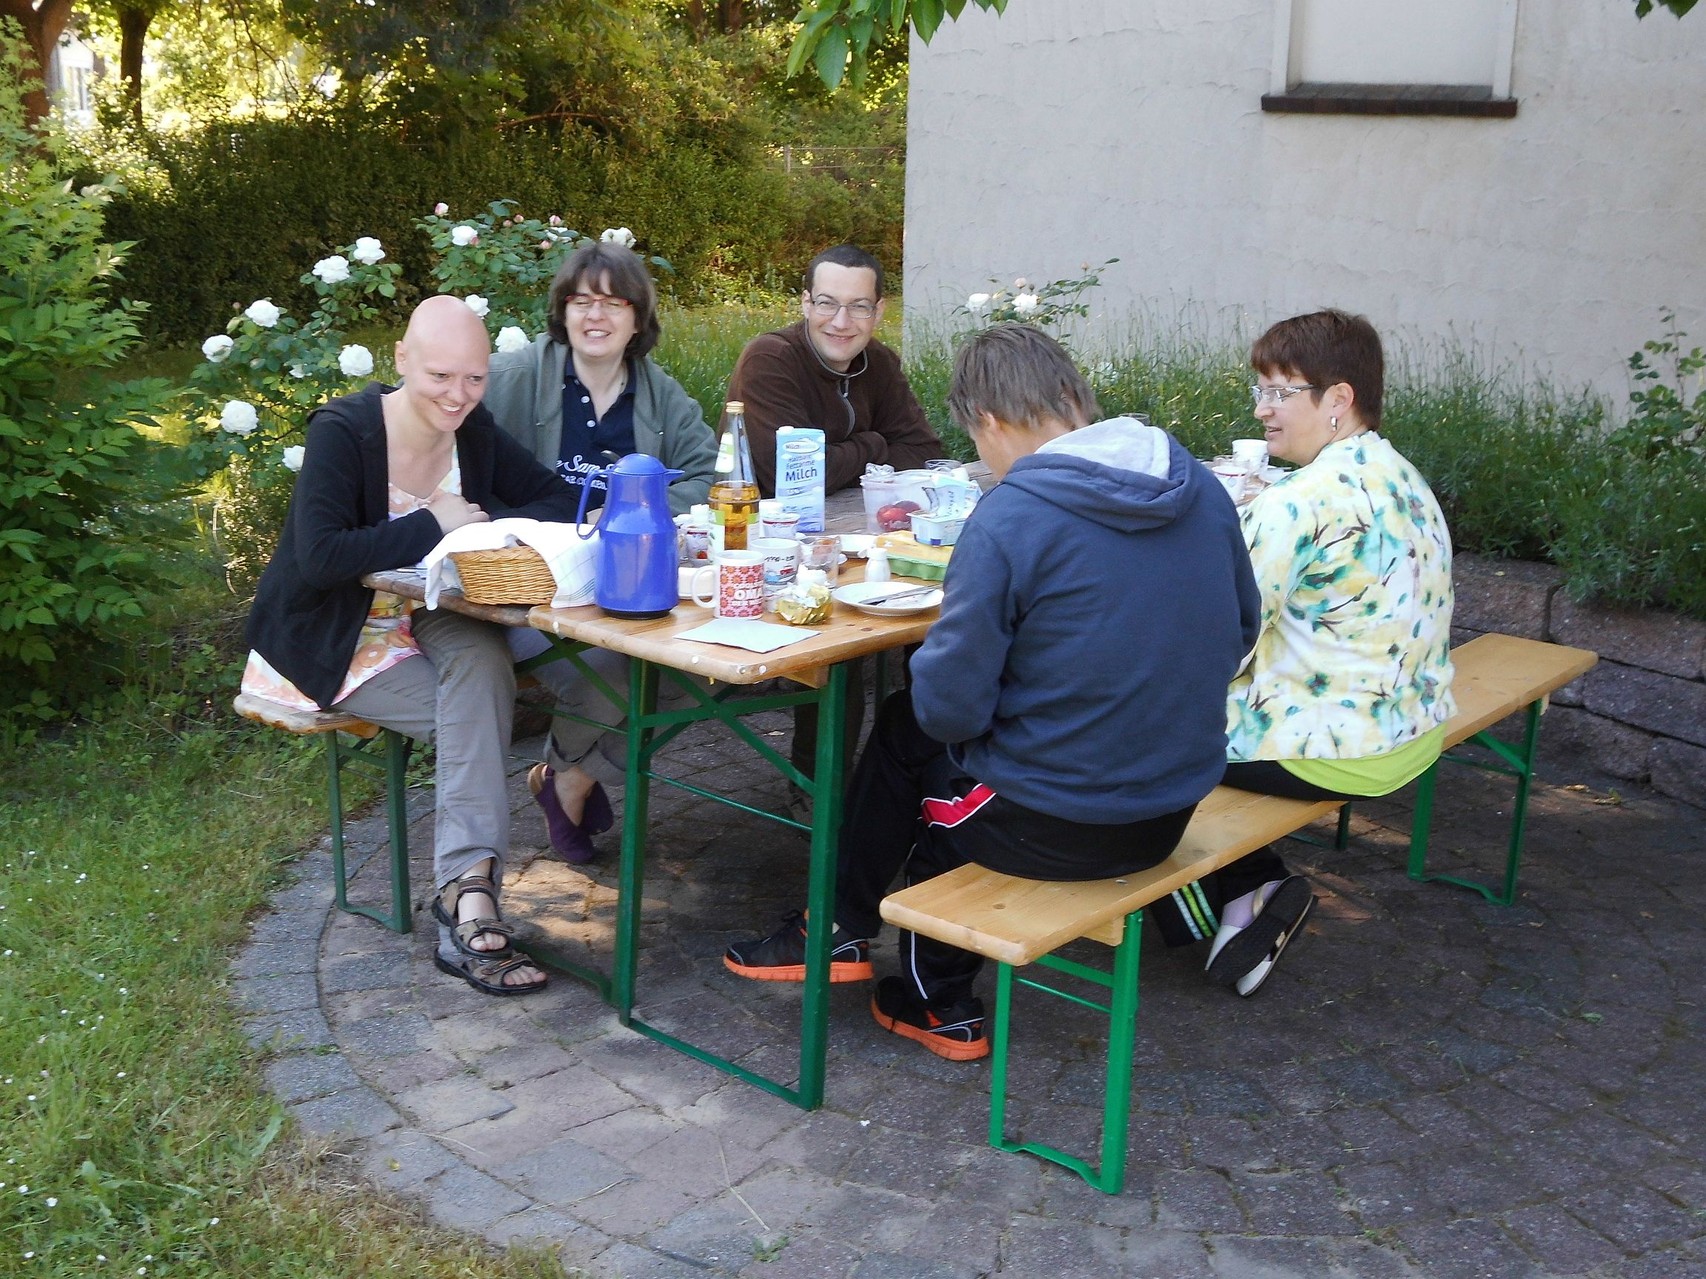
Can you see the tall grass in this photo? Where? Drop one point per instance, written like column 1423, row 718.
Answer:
column 1522, row 468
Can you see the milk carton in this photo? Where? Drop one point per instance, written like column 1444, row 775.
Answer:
column 800, row 463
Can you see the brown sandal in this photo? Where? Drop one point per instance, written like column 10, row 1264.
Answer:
column 463, row 934
column 485, row 971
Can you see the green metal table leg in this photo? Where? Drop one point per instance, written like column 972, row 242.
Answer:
column 820, row 886
column 825, row 788
column 642, row 703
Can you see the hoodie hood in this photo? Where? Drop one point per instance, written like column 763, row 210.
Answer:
column 1122, row 473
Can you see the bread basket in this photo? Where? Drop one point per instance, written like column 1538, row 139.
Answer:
column 507, row 575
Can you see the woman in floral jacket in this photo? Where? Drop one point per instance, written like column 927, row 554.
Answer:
column 1348, row 688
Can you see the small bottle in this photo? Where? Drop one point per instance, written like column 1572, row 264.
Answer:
column 877, row 565
column 734, row 500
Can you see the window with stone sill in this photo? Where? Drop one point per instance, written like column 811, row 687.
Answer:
column 1393, row 57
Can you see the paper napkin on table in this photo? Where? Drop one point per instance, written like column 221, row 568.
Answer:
column 571, row 558
column 738, row 632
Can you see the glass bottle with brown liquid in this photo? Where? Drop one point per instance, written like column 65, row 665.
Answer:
column 734, row 497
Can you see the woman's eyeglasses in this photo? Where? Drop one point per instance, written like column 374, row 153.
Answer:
column 584, row 302
column 1276, row 395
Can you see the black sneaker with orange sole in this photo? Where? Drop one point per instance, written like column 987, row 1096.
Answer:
column 782, row 955
column 956, row 1034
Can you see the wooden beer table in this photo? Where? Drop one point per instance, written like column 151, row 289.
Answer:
column 816, row 667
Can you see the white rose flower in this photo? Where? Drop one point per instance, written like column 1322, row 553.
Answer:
column 977, row 303
column 332, row 270
column 618, row 235
column 217, row 347
column 299, row 370
column 477, row 304
column 462, row 234
column 1024, row 303
column 355, row 361
column 263, row 313
column 510, row 338
column 238, row 417
column 367, row 251
column 293, row 457
column 441, row 208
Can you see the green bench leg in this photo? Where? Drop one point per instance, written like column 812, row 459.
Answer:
column 1122, row 1037
column 394, row 768
column 1512, row 761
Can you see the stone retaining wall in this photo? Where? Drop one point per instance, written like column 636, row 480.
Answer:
column 1640, row 715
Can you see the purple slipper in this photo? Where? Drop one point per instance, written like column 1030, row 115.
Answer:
column 571, row 842
column 597, row 817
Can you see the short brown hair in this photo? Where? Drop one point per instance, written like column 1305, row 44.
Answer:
column 1018, row 375
column 1325, row 348
column 850, row 256
column 591, row 265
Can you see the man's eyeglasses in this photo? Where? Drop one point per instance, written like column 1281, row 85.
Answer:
column 827, row 308
column 1276, row 394
column 586, row 301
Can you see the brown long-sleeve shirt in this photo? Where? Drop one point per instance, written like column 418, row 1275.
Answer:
column 868, row 414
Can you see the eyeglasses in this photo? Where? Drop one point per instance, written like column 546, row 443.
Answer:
column 586, row 301
column 829, row 308
column 1277, row 394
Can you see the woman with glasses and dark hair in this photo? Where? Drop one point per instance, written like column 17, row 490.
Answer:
column 584, row 394
column 1348, row 688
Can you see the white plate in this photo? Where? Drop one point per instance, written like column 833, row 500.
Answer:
column 858, row 544
column 854, row 593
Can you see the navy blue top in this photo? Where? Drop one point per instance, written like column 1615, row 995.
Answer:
column 591, row 441
column 1097, row 606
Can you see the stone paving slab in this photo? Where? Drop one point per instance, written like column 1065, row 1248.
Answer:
column 1429, row 1087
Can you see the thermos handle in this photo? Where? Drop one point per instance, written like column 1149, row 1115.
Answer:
column 586, row 491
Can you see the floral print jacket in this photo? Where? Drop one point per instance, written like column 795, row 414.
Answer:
column 1353, row 562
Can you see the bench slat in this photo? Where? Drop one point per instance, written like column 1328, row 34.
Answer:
column 1017, row 920
column 1498, row 675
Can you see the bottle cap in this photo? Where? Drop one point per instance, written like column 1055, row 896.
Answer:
column 735, row 406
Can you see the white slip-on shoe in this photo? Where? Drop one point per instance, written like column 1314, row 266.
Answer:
column 1251, row 981
column 1277, row 916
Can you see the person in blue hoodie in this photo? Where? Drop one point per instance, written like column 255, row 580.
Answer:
column 1067, row 710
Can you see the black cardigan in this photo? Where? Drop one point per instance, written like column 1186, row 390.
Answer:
column 310, row 605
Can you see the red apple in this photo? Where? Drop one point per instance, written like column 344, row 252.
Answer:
column 896, row 516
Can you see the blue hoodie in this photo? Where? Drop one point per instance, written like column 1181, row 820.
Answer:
column 1097, row 606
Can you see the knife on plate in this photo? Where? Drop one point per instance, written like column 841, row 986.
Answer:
column 901, row 595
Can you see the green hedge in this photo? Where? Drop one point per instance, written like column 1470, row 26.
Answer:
column 232, row 214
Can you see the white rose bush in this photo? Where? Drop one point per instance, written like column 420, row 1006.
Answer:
column 260, row 379
column 501, row 262
column 1047, row 305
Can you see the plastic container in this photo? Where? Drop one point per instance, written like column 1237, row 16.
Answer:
column 937, row 530
column 882, row 490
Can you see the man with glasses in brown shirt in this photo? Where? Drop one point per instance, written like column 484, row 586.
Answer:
column 829, row 372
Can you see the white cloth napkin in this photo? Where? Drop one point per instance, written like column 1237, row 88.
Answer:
column 572, row 559
column 739, row 632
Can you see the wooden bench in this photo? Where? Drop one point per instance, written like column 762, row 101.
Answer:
column 389, row 759
column 1022, row 921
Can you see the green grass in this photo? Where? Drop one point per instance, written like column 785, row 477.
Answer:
column 130, row 859
column 133, row 850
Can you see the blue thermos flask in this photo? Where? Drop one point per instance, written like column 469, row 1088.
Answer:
column 636, row 538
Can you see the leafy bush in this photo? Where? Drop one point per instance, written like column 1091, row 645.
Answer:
column 80, row 485
column 224, row 215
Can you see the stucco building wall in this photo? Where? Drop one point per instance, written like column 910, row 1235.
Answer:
column 1070, row 131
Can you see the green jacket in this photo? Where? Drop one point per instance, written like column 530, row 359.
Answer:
column 524, row 393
